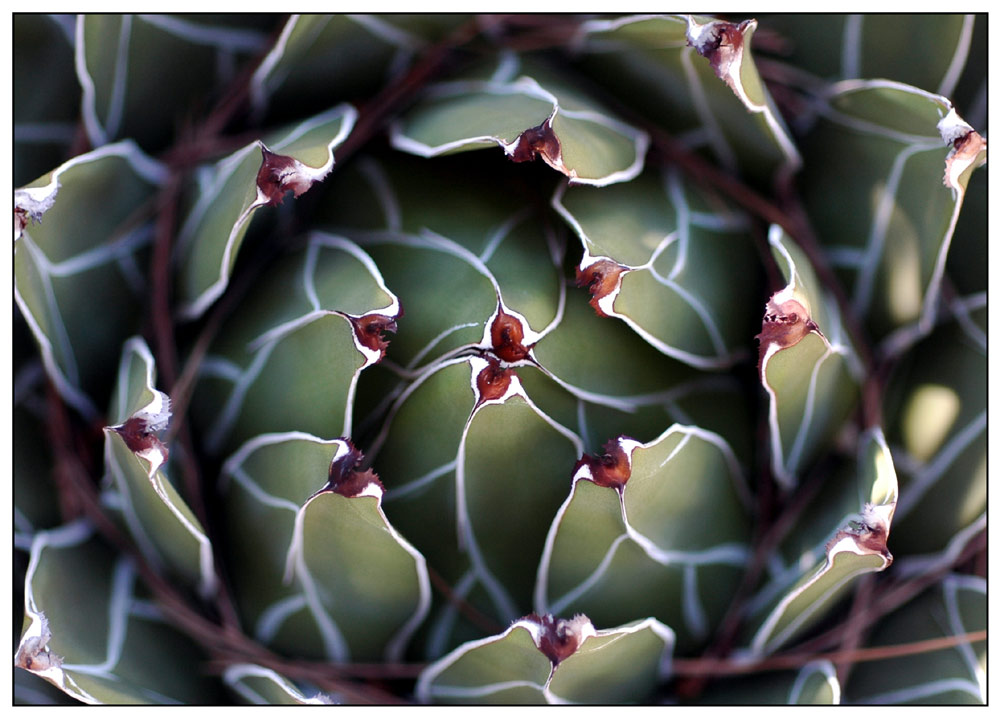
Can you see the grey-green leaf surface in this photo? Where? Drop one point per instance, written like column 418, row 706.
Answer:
column 158, row 518
column 894, row 142
column 498, row 463
column 844, row 537
column 510, row 668
column 318, row 572
column 318, row 60
column 643, row 547
column 812, row 382
column 258, row 685
column 44, row 123
column 526, row 117
column 683, row 258
column 116, row 54
column 290, row 359
column 90, row 632
column 696, row 77
column 814, row 684
column 67, row 272
column 230, row 192
column 949, row 676
column 921, row 49
column 938, row 430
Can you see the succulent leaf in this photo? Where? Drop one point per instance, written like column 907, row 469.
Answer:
column 67, row 272
column 520, row 665
column 231, row 192
column 160, row 521
column 90, row 630
column 312, row 549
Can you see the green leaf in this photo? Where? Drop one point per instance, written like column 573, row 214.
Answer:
column 231, row 192
column 527, row 117
column 949, row 676
column 320, row 59
column 546, row 660
column 807, row 365
column 90, row 632
column 44, row 122
column 68, row 272
column 632, row 537
column 319, row 570
column 159, row 520
column 290, row 360
column 938, row 427
column 814, row 684
column 258, row 685
column 894, row 142
column 116, row 54
column 852, row 545
column 474, row 467
column 924, row 50
column 669, row 68
column 669, row 262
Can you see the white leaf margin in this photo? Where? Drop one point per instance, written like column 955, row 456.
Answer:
column 426, row 691
column 528, row 87
column 214, row 181
column 295, row 566
column 156, row 413
column 36, row 199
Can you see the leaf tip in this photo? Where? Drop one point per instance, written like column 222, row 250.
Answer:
column 611, row 470
column 346, row 478
column 559, row 638
column 603, row 280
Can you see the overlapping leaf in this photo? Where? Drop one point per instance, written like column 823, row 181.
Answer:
column 290, row 361
column 814, row 684
column 258, row 685
column 844, row 535
column 923, row 50
column 467, row 438
column 631, row 538
column 157, row 516
column 669, row 261
column 452, row 265
column 231, row 192
column 318, row 569
column 950, row 676
column 90, row 632
column 79, row 285
column 894, row 143
column 938, row 430
column 527, row 115
column 544, row 660
column 117, row 55
column 44, row 122
column 318, row 60
column 807, row 365
column 696, row 77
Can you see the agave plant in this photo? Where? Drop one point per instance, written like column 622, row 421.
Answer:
column 592, row 360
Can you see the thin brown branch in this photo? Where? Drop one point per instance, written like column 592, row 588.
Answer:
column 712, row 667
column 481, row 620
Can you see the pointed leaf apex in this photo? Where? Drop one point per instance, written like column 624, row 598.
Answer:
column 279, row 174
column 540, row 141
column 369, row 329
column 559, row 638
column 785, row 324
column 492, row 381
column 507, row 336
column 603, row 277
column 345, row 478
column 612, row 470
column 721, row 43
